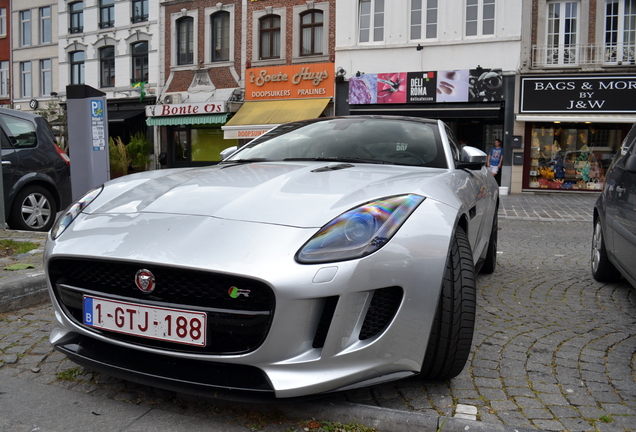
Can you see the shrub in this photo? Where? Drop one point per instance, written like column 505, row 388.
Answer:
column 119, row 158
column 139, row 149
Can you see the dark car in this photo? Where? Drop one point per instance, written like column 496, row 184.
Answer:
column 614, row 240
column 35, row 171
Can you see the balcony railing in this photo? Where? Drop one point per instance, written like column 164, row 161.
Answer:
column 583, row 55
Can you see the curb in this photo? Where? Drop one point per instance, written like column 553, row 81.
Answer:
column 23, row 290
column 388, row 420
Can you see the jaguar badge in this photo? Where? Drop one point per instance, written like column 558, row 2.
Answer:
column 145, row 281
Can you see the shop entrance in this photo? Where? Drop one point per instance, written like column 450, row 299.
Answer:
column 190, row 146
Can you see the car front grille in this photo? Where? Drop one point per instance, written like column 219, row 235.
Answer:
column 235, row 325
column 384, row 305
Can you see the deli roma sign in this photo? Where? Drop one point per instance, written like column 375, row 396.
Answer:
column 578, row 94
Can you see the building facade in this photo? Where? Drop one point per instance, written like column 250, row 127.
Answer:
column 455, row 60
column 576, row 92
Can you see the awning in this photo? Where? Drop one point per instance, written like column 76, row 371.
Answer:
column 576, row 118
column 120, row 116
column 209, row 119
column 257, row 117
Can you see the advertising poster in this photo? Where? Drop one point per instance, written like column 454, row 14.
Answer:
column 422, row 86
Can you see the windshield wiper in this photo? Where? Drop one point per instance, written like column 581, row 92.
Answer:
column 231, row 162
column 340, row 159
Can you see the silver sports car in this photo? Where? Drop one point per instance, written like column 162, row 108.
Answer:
column 324, row 255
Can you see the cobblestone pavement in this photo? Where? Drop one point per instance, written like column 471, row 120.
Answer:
column 553, row 349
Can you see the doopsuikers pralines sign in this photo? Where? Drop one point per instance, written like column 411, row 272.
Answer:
column 578, row 94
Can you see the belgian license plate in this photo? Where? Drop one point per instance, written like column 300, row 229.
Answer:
column 174, row 325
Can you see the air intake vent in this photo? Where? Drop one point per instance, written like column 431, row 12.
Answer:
column 325, row 321
column 384, row 306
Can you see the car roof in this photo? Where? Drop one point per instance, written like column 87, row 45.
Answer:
column 19, row 114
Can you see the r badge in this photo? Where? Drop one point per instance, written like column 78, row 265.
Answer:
column 145, row 281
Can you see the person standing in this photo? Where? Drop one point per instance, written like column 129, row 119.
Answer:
column 495, row 160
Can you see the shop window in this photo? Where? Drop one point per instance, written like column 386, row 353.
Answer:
column 571, row 157
column 269, row 33
column 423, row 19
column 620, row 31
column 371, row 21
column 185, row 42
column 220, row 26
column 311, row 28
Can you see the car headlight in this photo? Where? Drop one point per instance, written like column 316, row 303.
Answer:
column 73, row 211
column 360, row 231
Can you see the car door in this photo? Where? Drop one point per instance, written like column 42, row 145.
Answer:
column 9, row 165
column 622, row 207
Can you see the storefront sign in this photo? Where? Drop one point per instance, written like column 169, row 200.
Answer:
column 290, row 82
column 186, row 109
column 578, row 94
column 474, row 85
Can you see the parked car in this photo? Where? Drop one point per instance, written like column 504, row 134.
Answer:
column 324, row 255
column 35, row 171
column 614, row 238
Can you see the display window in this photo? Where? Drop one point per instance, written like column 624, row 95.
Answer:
column 570, row 156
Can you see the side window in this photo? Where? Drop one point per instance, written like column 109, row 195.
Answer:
column 5, row 141
column 21, row 132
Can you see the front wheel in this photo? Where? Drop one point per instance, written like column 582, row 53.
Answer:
column 452, row 332
column 33, row 209
column 602, row 269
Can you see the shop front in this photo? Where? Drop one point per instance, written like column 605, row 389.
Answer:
column 281, row 94
column 574, row 126
column 471, row 102
column 190, row 133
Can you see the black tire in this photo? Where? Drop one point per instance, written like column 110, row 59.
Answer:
column 33, row 209
column 452, row 332
column 490, row 263
column 602, row 269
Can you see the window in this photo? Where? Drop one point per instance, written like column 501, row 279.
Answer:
column 423, row 19
column 3, row 22
column 46, row 77
column 562, row 33
column 140, row 62
column 25, row 28
column 480, row 17
column 21, row 132
column 4, row 78
column 311, row 27
column 107, row 66
column 25, row 79
column 620, row 31
column 77, row 67
column 269, row 37
column 46, row 32
column 220, row 36
column 76, row 11
column 371, row 20
column 106, row 13
column 139, row 11
column 185, row 43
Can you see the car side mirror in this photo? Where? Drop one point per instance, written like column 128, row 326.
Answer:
column 228, row 152
column 630, row 164
column 472, row 158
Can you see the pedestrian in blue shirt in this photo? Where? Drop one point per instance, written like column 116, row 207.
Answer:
column 495, row 160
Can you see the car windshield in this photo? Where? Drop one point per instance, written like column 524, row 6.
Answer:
column 365, row 140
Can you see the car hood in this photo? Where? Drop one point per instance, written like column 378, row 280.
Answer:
column 284, row 193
